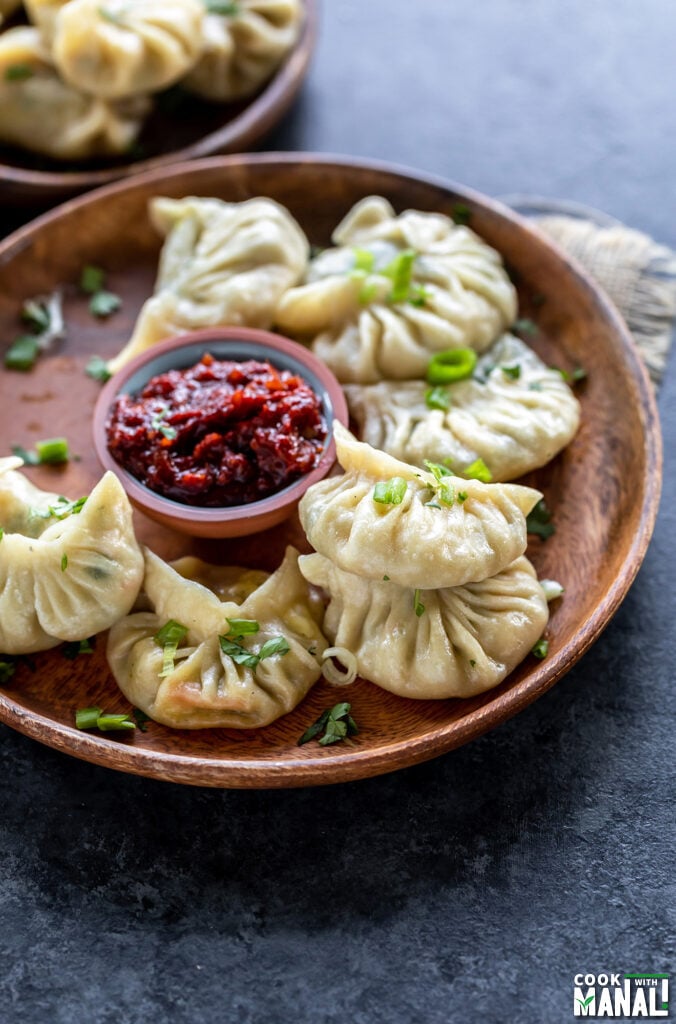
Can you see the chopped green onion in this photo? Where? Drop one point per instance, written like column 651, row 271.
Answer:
column 478, row 470
column 438, row 471
column 363, row 260
column 573, row 376
column 7, row 670
column 239, row 654
column 36, row 314
column 390, row 492
column 419, row 295
column 97, row 369
column 2, row 533
column 114, row 723
column 242, row 627
column 461, row 213
column 18, row 72
column 72, row 648
column 462, row 496
column 418, row 606
column 222, row 7
column 399, row 271
column 86, row 718
column 552, row 589
column 276, row 645
column 336, row 723
column 168, row 656
column 53, row 451
column 22, row 353
column 64, row 563
column 157, row 424
column 541, row 648
column 102, row 304
column 513, row 372
column 538, row 521
column 92, row 279
column 386, row 579
column 451, row 365
column 438, row 398
column 368, row 293
column 525, row 326
column 172, row 632
column 65, row 508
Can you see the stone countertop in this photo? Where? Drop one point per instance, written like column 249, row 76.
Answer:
column 474, row 887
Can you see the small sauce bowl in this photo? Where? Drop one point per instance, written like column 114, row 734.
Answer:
column 236, row 344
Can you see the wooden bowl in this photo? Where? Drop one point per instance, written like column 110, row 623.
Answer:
column 603, row 489
column 238, row 344
column 169, row 136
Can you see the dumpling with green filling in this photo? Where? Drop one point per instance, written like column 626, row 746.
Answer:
column 515, row 413
column 243, row 44
column 42, row 113
column 421, row 528
column 68, row 569
column 194, row 661
column 432, row 644
column 221, row 263
column 394, row 291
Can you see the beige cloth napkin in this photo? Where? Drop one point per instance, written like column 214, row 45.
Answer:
column 637, row 273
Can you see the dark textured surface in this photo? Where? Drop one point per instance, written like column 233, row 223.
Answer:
column 470, row 889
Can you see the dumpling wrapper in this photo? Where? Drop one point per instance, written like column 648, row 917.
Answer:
column 467, row 639
column 415, row 544
column 40, row 112
column 242, row 50
column 63, row 579
column 116, row 49
column 361, row 334
column 206, row 687
column 515, row 424
column 222, row 263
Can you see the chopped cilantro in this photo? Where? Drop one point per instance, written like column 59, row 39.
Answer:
column 336, row 723
column 538, row 521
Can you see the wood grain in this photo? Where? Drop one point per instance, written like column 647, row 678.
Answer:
column 192, row 129
column 604, row 488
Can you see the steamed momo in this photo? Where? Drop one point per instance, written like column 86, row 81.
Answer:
column 466, row 640
column 372, row 316
column 514, row 423
column 63, row 578
column 116, row 49
column 206, row 687
column 243, row 48
column 41, row 113
column 473, row 531
column 222, row 263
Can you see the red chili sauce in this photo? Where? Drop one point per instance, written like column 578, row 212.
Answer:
column 220, row 433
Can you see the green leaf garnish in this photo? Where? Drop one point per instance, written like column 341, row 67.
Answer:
column 7, row 670
column 386, row 579
column 451, row 365
column 115, row 723
column 390, row 492
column 97, row 369
column 538, row 521
column 418, row 295
column 141, row 719
column 61, row 509
column 22, row 353
column 535, row 385
column 102, row 304
column 18, row 72
column 478, row 470
column 399, row 271
column 418, row 606
column 336, row 723
column 239, row 654
column 36, row 315
column 157, row 424
column 242, row 627
column 72, row 648
column 438, row 471
column 86, row 718
column 64, row 563
column 52, row 451
column 513, row 372
column 276, row 645
column 92, row 279
column 462, row 496
column 438, row 398
column 573, row 376
column 461, row 213
column 524, row 326
column 172, row 632
column 540, row 649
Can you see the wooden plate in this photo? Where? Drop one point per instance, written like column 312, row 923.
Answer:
column 604, row 488
column 178, row 130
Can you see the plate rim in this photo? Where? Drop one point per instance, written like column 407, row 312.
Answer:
column 251, row 124
column 359, row 764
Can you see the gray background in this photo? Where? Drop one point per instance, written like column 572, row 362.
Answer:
column 474, row 887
